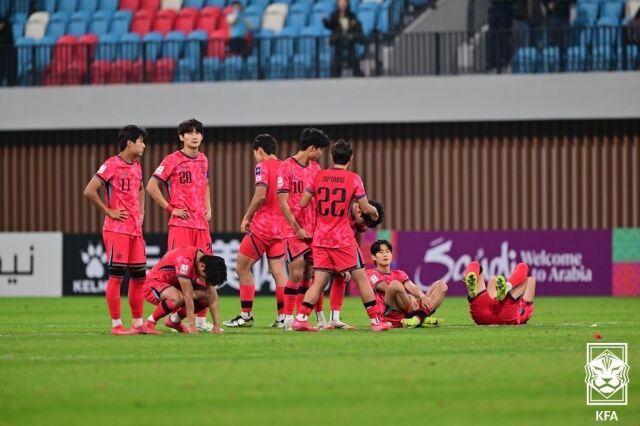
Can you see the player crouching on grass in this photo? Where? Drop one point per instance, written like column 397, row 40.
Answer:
column 403, row 303
column 174, row 285
column 501, row 301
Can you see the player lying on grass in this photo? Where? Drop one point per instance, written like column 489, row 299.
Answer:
column 403, row 303
column 184, row 277
column 501, row 301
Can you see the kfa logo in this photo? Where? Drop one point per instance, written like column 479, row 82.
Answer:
column 607, row 374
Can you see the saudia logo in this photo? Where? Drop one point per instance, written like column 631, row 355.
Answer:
column 545, row 266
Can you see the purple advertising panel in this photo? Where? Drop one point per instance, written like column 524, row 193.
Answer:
column 564, row 263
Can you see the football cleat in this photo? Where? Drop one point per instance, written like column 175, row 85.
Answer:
column 177, row 326
column 149, row 327
column 324, row 325
column 238, row 321
column 519, row 275
column 471, row 280
column 121, row 330
column 502, row 287
column 432, row 322
column 339, row 325
column 206, row 327
column 277, row 323
column 413, row 322
column 302, row 326
column 381, row 326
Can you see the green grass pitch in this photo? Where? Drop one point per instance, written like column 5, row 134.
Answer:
column 59, row 366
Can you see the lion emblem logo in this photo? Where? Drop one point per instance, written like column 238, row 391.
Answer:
column 607, row 374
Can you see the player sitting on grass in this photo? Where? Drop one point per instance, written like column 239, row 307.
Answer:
column 175, row 281
column 403, row 303
column 501, row 301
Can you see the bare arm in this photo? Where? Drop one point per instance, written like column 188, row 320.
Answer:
column 91, row 192
column 367, row 208
column 413, row 289
column 153, row 188
column 207, row 203
column 283, row 200
column 212, row 299
column 258, row 199
column 187, row 293
column 306, row 199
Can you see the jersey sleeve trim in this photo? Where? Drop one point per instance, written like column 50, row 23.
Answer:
column 282, row 191
column 159, row 178
column 101, row 179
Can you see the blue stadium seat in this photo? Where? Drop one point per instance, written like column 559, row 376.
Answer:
column 152, row 42
column 627, row 59
column 88, row 5
column 305, row 62
column 68, row 6
column 173, row 45
column 308, row 3
column 253, row 15
column 601, row 58
column 185, row 71
column 100, row 22
column 318, row 13
column 217, row 3
column 550, row 60
column 79, row 23
column 108, row 5
column 298, row 16
column 48, row 6
column 525, row 60
column 131, row 47
column 284, row 46
column 210, row 69
column 576, row 58
column 44, row 50
column 607, row 33
column 287, row 2
column 587, row 14
column 385, row 20
column 108, row 47
column 232, row 68
column 18, row 21
column 25, row 51
column 57, row 25
column 260, row 5
column 612, row 9
column 367, row 15
column 121, row 21
column 198, row 4
column 195, row 45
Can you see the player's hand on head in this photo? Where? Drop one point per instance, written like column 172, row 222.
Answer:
column 374, row 213
column 182, row 213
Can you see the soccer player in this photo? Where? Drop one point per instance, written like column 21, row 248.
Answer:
column 501, row 301
column 293, row 176
column 403, row 303
column 262, row 225
column 184, row 277
column 121, row 176
column 185, row 175
column 334, row 245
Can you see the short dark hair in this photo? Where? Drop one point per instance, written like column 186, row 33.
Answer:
column 341, row 152
column 188, row 125
column 313, row 137
column 368, row 220
column 267, row 142
column 130, row 133
column 215, row 270
column 377, row 245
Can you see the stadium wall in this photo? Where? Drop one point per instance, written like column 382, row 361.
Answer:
column 505, row 175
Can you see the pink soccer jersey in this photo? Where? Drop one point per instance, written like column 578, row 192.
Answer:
column 122, row 187
column 178, row 263
column 186, row 181
column 293, row 177
column 376, row 276
column 268, row 221
column 334, row 191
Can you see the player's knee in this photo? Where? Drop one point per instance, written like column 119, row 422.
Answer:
column 395, row 287
column 138, row 273
column 296, row 275
column 116, row 271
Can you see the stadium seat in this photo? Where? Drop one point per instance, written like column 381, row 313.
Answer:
column 87, row 47
column 576, row 58
column 57, row 26
column 79, row 23
column 186, row 20
column 121, row 22
column 152, row 45
column 164, row 20
column 253, row 15
column 607, row 32
column 163, row 72
column 220, row 4
column 308, row 3
column 525, row 60
column 99, row 72
column 298, row 16
column 318, row 13
column 108, row 47
column 99, row 23
column 44, row 49
column 217, row 44
column 142, row 21
column 87, row 5
column 108, row 5
column 151, row 5
column 232, row 68
column 131, row 47
column 173, row 45
column 25, row 66
column 195, row 45
column 368, row 16
column 586, row 14
column 45, row 6
column 632, row 7
column 287, row 2
column 68, row 6
column 627, row 59
column 172, row 4
column 274, row 17
column 284, row 46
column 36, row 25
column 131, row 5
column 550, row 60
column 601, row 58
column 612, row 9
column 197, row 4
column 18, row 22
column 208, row 19
column 260, row 4
column 306, row 63
column 210, row 69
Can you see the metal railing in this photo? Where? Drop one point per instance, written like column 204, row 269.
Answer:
column 578, row 49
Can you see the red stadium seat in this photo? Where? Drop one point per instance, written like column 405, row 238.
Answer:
column 208, row 19
column 87, row 48
column 68, row 64
column 99, row 72
column 119, row 71
column 132, row 5
column 152, row 5
column 142, row 21
column 163, row 23
column 163, row 72
column 186, row 20
column 217, row 45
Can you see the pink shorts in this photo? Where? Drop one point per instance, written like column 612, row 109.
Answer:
column 254, row 246
column 295, row 247
column 124, row 249
column 341, row 259
column 153, row 289
column 180, row 236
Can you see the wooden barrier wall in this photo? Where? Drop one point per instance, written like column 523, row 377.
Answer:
column 457, row 176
